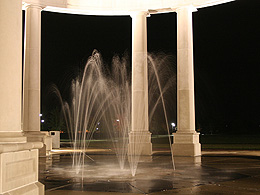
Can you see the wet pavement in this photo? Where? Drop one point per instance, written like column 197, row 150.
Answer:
column 215, row 172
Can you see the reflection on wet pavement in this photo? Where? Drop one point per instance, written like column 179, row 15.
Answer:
column 154, row 174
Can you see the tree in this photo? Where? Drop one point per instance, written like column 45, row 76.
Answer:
column 55, row 120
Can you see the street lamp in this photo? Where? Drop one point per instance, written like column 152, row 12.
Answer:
column 173, row 126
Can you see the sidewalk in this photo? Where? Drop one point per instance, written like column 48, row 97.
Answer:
column 216, row 172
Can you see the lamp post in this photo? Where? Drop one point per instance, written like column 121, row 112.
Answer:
column 173, row 126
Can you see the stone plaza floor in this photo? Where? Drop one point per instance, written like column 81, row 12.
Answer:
column 215, row 172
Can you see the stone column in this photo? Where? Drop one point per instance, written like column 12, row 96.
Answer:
column 10, row 72
column 32, row 68
column 140, row 135
column 186, row 140
column 32, row 78
column 18, row 159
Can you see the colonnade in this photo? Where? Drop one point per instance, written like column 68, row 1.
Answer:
column 186, row 140
column 20, row 136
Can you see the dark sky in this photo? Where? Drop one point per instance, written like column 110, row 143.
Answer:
column 226, row 56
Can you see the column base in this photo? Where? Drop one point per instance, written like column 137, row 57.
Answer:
column 140, row 143
column 40, row 136
column 186, row 144
column 19, row 169
column 12, row 137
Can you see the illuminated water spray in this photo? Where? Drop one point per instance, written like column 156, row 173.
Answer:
column 102, row 97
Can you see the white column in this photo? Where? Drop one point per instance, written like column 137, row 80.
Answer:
column 32, row 80
column 10, row 71
column 140, row 128
column 32, row 69
column 186, row 140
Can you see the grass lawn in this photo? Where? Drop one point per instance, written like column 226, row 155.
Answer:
column 236, row 142
column 226, row 142
column 161, row 142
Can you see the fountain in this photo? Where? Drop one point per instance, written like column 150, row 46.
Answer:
column 13, row 143
column 104, row 97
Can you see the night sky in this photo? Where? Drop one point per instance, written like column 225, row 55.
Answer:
column 226, row 57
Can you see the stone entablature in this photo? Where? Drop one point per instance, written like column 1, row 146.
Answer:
column 119, row 7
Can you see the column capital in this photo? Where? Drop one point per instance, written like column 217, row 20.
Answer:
column 36, row 6
column 190, row 8
column 12, row 137
column 139, row 13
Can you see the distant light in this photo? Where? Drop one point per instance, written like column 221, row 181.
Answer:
column 117, row 120
column 98, row 123
column 97, row 128
column 40, row 114
column 173, row 124
column 42, row 121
